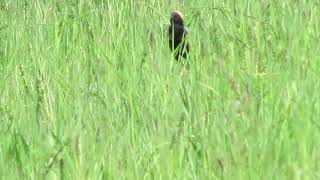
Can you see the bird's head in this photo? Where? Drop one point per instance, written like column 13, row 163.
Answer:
column 176, row 18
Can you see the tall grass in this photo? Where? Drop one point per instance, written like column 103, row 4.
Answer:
column 90, row 90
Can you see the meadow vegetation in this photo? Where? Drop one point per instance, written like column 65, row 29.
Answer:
column 90, row 90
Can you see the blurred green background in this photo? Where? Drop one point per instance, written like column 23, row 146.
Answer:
column 90, row 90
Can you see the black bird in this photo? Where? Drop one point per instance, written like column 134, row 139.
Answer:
column 177, row 36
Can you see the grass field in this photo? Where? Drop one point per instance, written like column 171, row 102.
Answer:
column 90, row 90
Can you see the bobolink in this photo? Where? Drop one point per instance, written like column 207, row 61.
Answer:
column 177, row 36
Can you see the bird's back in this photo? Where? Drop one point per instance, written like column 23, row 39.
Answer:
column 177, row 35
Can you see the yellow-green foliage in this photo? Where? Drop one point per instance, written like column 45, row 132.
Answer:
column 90, row 90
